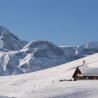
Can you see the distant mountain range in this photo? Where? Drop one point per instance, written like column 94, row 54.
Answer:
column 18, row 56
column 77, row 52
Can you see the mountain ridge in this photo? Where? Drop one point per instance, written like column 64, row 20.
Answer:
column 18, row 56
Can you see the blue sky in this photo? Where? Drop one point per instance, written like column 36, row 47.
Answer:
column 64, row 22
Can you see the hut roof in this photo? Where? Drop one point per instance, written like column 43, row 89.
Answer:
column 88, row 71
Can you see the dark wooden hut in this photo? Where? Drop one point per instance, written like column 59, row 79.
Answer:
column 85, row 73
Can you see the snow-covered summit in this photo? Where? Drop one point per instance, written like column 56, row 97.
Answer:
column 10, row 41
column 44, row 47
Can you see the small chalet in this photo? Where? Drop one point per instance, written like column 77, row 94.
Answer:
column 86, row 73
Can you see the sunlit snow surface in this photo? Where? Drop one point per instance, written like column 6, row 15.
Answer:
column 46, row 84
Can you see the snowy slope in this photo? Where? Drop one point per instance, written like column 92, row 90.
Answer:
column 45, row 83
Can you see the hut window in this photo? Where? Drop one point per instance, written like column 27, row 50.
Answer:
column 86, row 78
column 79, row 75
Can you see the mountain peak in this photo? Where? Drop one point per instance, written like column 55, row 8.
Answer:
column 5, row 34
column 3, row 29
column 6, row 38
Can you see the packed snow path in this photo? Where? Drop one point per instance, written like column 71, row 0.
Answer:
column 68, row 89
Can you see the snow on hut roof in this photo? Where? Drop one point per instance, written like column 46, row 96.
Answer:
column 88, row 71
column 94, row 64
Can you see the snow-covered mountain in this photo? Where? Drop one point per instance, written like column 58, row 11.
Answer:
column 17, row 56
column 32, row 57
column 88, row 48
column 77, row 52
column 40, row 55
column 9, row 41
column 72, row 53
